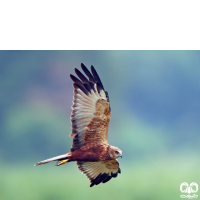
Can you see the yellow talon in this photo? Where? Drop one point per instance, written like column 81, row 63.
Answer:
column 62, row 162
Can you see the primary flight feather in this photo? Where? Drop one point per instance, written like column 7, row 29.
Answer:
column 90, row 121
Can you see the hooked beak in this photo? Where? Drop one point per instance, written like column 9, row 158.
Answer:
column 120, row 156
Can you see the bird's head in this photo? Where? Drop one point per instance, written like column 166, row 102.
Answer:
column 115, row 152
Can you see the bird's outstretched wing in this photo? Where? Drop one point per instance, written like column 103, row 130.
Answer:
column 99, row 172
column 90, row 111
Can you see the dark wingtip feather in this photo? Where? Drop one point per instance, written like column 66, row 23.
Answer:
column 114, row 174
column 96, row 76
column 81, row 76
column 87, row 72
column 81, row 87
column 102, row 178
column 106, row 179
column 92, row 184
column 74, row 79
column 82, row 65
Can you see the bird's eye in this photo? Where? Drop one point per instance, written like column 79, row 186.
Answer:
column 117, row 152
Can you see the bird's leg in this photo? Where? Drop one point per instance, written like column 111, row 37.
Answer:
column 62, row 162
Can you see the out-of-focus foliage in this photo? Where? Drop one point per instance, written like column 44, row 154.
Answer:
column 158, row 180
column 155, row 103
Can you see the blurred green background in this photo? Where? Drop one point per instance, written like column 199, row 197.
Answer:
column 155, row 103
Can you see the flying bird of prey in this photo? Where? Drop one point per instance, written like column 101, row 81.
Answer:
column 90, row 120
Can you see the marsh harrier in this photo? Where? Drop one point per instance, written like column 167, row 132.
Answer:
column 90, row 120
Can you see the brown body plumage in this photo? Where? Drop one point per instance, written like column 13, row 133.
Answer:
column 90, row 121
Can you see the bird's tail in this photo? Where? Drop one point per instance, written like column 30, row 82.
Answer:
column 62, row 159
